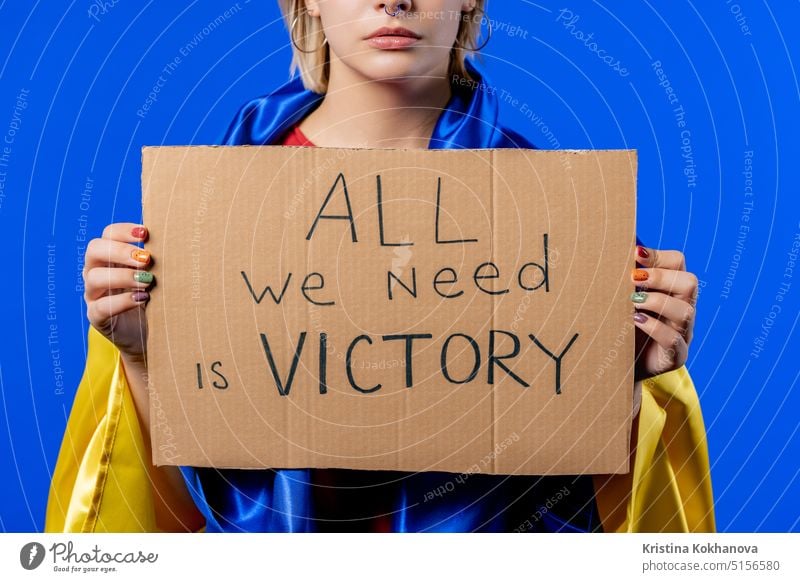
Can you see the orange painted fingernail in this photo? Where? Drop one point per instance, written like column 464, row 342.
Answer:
column 140, row 255
column 640, row 275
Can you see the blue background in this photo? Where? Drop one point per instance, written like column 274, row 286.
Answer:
column 84, row 72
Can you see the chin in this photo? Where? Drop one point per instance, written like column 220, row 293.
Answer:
column 392, row 67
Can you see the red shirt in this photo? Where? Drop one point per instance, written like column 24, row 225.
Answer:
column 295, row 137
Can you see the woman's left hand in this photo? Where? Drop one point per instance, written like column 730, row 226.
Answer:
column 665, row 311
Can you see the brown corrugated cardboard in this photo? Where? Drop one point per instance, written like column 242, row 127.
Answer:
column 416, row 310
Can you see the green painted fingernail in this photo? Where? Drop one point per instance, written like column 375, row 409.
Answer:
column 143, row 277
column 636, row 296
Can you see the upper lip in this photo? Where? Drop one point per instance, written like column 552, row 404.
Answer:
column 393, row 31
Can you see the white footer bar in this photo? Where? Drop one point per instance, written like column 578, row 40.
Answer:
column 406, row 557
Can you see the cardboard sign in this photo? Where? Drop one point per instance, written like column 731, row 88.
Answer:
column 414, row 310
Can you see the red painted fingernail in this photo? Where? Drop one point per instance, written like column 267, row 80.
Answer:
column 640, row 275
column 642, row 252
column 639, row 317
column 138, row 232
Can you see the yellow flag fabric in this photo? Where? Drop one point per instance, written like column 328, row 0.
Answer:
column 101, row 482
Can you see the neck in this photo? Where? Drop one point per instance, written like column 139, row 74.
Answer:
column 359, row 112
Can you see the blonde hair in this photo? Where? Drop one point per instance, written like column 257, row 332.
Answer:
column 314, row 67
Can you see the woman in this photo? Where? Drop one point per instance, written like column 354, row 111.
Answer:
column 373, row 74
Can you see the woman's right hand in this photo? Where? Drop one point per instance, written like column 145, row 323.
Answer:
column 115, row 287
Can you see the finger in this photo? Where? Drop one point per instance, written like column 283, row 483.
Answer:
column 677, row 313
column 102, row 280
column 668, row 339
column 655, row 258
column 680, row 283
column 125, row 232
column 103, row 309
column 101, row 252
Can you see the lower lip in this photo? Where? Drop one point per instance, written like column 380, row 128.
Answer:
column 391, row 42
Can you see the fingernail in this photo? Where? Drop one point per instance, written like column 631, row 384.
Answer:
column 139, row 296
column 143, row 277
column 640, row 275
column 138, row 232
column 642, row 252
column 639, row 317
column 140, row 255
column 636, row 296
